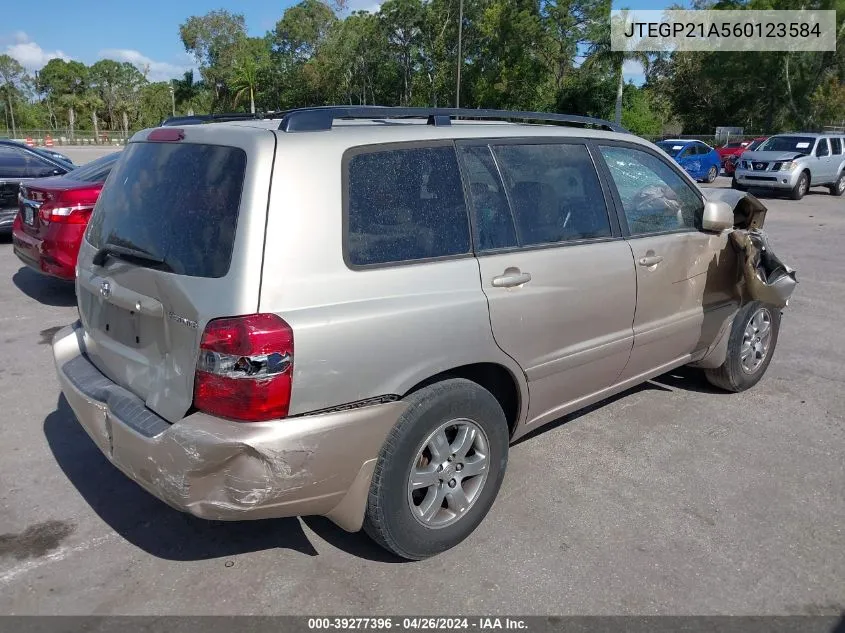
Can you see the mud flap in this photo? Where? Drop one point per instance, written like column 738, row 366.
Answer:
column 765, row 277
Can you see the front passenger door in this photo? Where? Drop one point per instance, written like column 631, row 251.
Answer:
column 685, row 277
column 12, row 171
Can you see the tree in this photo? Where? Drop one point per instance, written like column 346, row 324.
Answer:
column 600, row 55
column 251, row 61
column 11, row 72
column 212, row 39
column 401, row 20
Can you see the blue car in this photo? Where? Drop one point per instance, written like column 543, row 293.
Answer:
column 697, row 158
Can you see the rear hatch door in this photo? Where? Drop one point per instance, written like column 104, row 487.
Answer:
column 191, row 205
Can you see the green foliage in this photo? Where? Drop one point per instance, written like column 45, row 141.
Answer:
column 516, row 54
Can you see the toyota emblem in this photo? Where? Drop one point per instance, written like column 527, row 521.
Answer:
column 105, row 290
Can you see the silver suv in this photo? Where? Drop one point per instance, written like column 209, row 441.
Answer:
column 352, row 312
column 793, row 163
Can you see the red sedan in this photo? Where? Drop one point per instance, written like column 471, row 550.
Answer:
column 729, row 162
column 53, row 214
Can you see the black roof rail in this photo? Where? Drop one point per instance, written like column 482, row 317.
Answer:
column 322, row 117
column 196, row 119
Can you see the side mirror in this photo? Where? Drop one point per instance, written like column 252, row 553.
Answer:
column 717, row 216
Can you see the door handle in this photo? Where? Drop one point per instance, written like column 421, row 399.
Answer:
column 511, row 277
column 650, row 260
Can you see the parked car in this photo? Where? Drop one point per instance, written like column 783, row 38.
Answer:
column 792, row 163
column 729, row 163
column 698, row 159
column 286, row 317
column 53, row 215
column 734, row 148
column 18, row 164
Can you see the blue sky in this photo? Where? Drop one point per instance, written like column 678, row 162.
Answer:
column 147, row 32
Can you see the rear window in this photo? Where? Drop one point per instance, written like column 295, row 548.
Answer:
column 837, row 145
column 404, row 205
column 95, row 171
column 176, row 201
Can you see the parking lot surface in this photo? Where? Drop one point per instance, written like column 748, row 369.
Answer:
column 671, row 498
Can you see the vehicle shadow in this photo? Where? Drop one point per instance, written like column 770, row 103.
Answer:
column 148, row 523
column 688, row 379
column 646, row 386
column 46, row 290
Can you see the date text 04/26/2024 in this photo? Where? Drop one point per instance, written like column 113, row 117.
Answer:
column 418, row 623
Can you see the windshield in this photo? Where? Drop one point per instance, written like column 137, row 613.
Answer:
column 95, row 171
column 733, row 145
column 671, row 147
column 178, row 203
column 803, row 144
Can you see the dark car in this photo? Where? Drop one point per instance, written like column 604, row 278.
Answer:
column 54, row 214
column 19, row 164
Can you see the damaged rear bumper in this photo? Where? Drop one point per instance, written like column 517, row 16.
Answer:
column 224, row 470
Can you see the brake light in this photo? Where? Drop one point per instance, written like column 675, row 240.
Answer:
column 166, row 134
column 72, row 206
column 245, row 368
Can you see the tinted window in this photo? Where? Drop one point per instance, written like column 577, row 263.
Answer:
column 36, row 166
column 703, row 149
column 494, row 226
column 672, row 148
column 654, row 196
column 405, row 205
column 836, row 143
column 822, row 148
column 95, row 171
column 176, row 201
column 12, row 163
column 802, row 144
column 554, row 193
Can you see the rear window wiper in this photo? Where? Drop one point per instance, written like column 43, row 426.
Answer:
column 124, row 252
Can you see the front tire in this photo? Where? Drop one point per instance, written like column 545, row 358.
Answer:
column 838, row 187
column 801, row 187
column 439, row 470
column 712, row 174
column 752, row 342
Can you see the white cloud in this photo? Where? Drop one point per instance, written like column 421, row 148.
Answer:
column 156, row 71
column 29, row 53
column 362, row 5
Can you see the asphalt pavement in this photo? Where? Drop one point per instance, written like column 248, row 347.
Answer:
column 672, row 498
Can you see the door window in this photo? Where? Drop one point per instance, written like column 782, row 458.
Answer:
column 837, row 145
column 822, row 148
column 405, row 205
column 12, row 162
column 553, row 190
column 655, row 198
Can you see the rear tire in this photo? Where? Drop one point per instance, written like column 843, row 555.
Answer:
column 444, row 507
column 801, row 187
column 838, row 187
column 752, row 342
column 712, row 174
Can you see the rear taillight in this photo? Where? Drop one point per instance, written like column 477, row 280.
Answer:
column 245, row 368
column 73, row 206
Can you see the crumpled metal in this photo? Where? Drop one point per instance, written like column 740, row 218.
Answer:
column 765, row 277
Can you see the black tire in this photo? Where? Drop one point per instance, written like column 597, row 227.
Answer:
column 838, row 187
column 801, row 187
column 712, row 174
column 731, row 375
column 389, row 520
column 736, row 185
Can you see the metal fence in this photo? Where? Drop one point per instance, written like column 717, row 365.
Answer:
column 57, row 138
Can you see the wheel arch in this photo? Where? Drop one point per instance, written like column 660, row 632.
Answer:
column 499, row 380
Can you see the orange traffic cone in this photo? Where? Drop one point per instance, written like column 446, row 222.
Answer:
column 29, row 141
column 48, row 141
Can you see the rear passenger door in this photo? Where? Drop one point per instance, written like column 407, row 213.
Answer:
column 559, row 281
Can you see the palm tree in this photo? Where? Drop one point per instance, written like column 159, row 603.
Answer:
column 600, row 55
column 245, row 81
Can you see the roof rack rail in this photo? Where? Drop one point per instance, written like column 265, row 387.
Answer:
column 197, row 119
column 322, row 117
